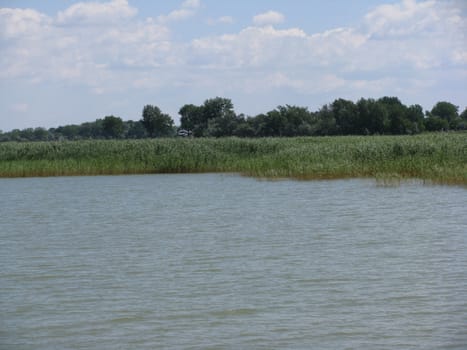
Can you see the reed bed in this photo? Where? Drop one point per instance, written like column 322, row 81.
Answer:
column 438, row 158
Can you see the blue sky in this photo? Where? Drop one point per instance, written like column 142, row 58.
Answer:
column 68, row 62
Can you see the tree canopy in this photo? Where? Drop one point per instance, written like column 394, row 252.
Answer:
column 112, row 126
column 216, row 117
column 155, row 122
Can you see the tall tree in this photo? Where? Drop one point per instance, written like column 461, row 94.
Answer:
column 298, row 120
column 190, row 118
column 326, row 124
column 416, row 118
column 112, row 126
column 216, row 117
column 92, row 130
column 346, row 115
column 155, row 122
column 463, row 115
column 41, row 134
column 396, row 113
column 372, row 115
column 463, row 120
column 69, row 132
column 218, row 107
column 220, row 116
column 135, row 130
column 435, row 123
column 447, row 111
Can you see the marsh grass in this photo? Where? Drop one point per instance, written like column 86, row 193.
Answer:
column 439, row 158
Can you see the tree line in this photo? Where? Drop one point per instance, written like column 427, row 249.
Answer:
column 216, row 118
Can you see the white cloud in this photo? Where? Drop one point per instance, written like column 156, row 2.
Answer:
column 253, row 46
column 225, row 20
column 96, row 12
column 186, row 10
column 307, row 84
column 191, row 4
column 20, row 22
column 267, row 18
column 221, row 20
column 104, row 56
column 395, row 45
column 412, row 18
column 397, row 48
column 460, row 56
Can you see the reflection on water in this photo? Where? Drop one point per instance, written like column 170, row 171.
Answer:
column 228, row 262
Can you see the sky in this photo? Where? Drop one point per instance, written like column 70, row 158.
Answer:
column 68, row 62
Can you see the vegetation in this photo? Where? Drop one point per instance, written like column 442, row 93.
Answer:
column 274, row 144
column 216, row 118
column 156, row 123
column 436, row 157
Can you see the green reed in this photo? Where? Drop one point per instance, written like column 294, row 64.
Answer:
column 440, row 158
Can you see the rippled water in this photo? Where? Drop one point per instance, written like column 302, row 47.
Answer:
column 227, row 262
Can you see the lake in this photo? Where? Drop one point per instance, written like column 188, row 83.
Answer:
column 220, row 261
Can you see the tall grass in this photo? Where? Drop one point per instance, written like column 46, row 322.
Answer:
column 440, row 158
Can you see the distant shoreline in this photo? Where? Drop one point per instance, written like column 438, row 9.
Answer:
column 436, row 157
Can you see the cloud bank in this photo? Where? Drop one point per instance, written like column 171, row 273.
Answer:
column 270, row 17
column 405, row 47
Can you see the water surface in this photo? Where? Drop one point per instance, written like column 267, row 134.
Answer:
column 227, row 262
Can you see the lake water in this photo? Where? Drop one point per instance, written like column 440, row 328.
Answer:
column 219, row 261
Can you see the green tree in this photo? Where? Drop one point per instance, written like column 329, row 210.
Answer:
column 283, row 121
column 135, row 130
column 27, row 134
column 216, row 117
column 245, row 127
column 346, row 116
column 222, row 126
column 416, row 117
column 69, row 132
column 445, row 110
column 260, row 126
column 396, row 115
column 112, row 127
column 16, row 135
column 275, row 123
column 220, row 116
column 435, row 123
column 326, row 122
column 463, row 115
column 372, row 116
column 40, row 134
column 92, row 130
column 155, row 122
column 297, row 120
column 463, row 120
column 191, row 119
